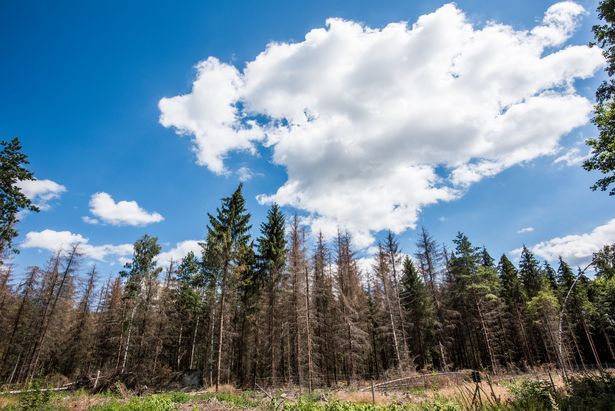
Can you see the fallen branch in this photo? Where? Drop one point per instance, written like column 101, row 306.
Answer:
column 62, row 388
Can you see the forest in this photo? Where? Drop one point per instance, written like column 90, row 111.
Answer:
column 267, row 306
column 276, row 310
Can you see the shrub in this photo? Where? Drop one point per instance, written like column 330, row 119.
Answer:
column 589, row 393
column 34, row 397
column 531, row 396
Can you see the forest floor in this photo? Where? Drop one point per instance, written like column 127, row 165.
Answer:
column 503, row 393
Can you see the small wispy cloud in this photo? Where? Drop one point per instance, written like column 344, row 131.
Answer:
column 571, row 157
column 90, row 220
column 525, row 230
column 245, row 173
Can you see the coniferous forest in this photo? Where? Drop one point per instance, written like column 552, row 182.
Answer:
column 281, row 309
column 270, row 304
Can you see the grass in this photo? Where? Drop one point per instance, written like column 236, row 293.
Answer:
column 154, row 402
column 239, row 400
column 595, row 392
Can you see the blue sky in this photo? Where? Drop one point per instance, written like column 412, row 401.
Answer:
column 81, row 84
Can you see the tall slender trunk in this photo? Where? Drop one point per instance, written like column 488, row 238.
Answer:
column 400, row 311
column 494, row 368
column 590, row 340
column 308, row 329
column 221, row 325
column 130, row 324
column 271, row 331
column 392, row 322
column 179, row 346
column 196, row 328
column 297, row 331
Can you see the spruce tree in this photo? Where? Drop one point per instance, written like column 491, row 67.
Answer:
column 271, row 247
column 228, row 238
column 418, row 313
column 514, row 299
column 532, row 277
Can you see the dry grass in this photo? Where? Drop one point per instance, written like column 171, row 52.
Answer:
column 361, row 397
column 224, row 389
column 8, row 400
column 81, row 402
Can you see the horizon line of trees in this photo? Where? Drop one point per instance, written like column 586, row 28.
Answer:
column 273, row 310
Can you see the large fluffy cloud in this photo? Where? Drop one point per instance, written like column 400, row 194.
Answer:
column 41, row 192
column 576, row 248
column 55, row 241
column 108, row 210
column 374, row 124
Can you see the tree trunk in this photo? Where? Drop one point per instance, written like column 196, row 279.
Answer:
column 221, row 325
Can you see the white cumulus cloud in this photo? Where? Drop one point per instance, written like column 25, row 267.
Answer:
column 178, row 252
column 118, row 213
column 41, row 192
column 373, row 124
column 525, row 230
column 576, row 248
column 55, row 241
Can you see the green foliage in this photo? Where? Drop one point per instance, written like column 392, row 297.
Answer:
column 589, row 393
column 543, row 306
column 512, row 290
column 143, row 264
column 34, row 397
column 155, row 402
column 228, row 230
column 12, row 200
column 604, row 261
column 436, row 405
column 236, row 400
column 189, row 279
column 531, row 395
column 532, row 277
column 272, row 244
column 603, row 148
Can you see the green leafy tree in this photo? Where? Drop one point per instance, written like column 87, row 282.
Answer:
column 141, row 274
column 12, row 200
column 604, row 261
column 602, row 157
column 602, row 295
column 188, row 306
